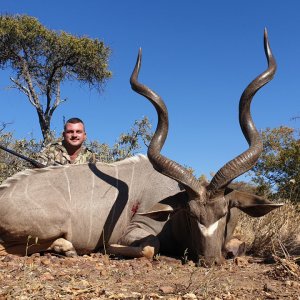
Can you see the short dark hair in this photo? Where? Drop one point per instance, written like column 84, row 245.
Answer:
column 73, row 121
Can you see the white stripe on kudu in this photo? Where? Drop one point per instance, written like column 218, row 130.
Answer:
column 208, row 231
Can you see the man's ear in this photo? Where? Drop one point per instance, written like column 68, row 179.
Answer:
column 158, row 212
column 250, row 204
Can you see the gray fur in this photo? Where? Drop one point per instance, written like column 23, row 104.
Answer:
column 86, row 204
column 82, row 208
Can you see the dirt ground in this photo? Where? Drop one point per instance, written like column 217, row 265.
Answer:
column 102, row 277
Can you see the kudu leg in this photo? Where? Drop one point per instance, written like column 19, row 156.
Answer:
column 27, row 247
column 130, row 251
column 136, row 243
column 61, row 245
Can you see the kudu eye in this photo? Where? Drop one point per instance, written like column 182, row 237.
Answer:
column 222, row 208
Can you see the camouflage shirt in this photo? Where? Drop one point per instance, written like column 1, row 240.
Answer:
column 56, row 153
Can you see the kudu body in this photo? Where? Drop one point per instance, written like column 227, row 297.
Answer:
column 136, row 207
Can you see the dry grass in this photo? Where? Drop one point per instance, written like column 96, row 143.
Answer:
column 101, row 277
column 276, row 233
column 286, row 269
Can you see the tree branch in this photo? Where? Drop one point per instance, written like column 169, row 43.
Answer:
column 28, row 80
column 24, row 90
column 49, row 85
column 57, row 100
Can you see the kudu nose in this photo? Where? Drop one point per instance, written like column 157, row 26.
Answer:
column 208, row 262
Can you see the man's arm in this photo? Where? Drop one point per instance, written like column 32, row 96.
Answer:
column 48, row 154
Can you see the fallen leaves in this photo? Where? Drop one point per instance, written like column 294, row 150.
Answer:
column 102, row 277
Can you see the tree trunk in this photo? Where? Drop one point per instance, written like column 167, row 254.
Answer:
column 45, row 121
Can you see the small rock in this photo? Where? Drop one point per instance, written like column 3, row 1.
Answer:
column 60, row 273
column 105, row 260
column 189, row 296
column 288, row 282
column 241, row 261
column 45, row 261
column 136, row 294
column 68, row 262
column 29, row 260
column 166, row 289
column 36, row 255
column 48, row 255
column 7, row 258
column 103, row 272
column 295, row 284
column 149, row 265
column 268, row 288
column 270, row 296
column 191, row 263
column 46, row 276
column 154, row 296
column 292, row 283
column 228, row 296
column 118, row 296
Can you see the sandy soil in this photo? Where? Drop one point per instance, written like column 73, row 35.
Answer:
column 102, row 277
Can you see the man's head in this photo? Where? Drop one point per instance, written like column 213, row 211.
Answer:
column 74, row 133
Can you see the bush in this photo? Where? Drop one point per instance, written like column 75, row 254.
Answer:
column 277, row 173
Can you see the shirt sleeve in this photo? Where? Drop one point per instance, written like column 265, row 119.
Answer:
column 46, row 156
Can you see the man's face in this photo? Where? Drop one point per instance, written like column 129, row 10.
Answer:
column 74, row 134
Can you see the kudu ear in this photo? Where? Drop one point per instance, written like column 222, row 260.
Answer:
column 250, row 204
column 159, row 212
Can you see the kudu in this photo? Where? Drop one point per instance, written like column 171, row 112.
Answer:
column 136, row 207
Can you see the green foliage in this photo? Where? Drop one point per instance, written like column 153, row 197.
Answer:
column 43, row 59
column 10, row 164
column 277, row 172
column 127, row 144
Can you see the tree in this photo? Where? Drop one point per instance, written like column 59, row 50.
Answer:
column 42, row 59
column 277, row 172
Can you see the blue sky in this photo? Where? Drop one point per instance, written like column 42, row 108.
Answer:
column 198, row 55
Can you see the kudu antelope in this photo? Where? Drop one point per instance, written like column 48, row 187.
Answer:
column 136, row 207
